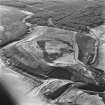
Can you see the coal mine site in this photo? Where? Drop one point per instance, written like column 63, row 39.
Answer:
column 52, row 52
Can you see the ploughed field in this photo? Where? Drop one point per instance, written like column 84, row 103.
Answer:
column 53, row 51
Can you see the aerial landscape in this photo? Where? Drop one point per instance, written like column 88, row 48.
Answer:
column 52, row 52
